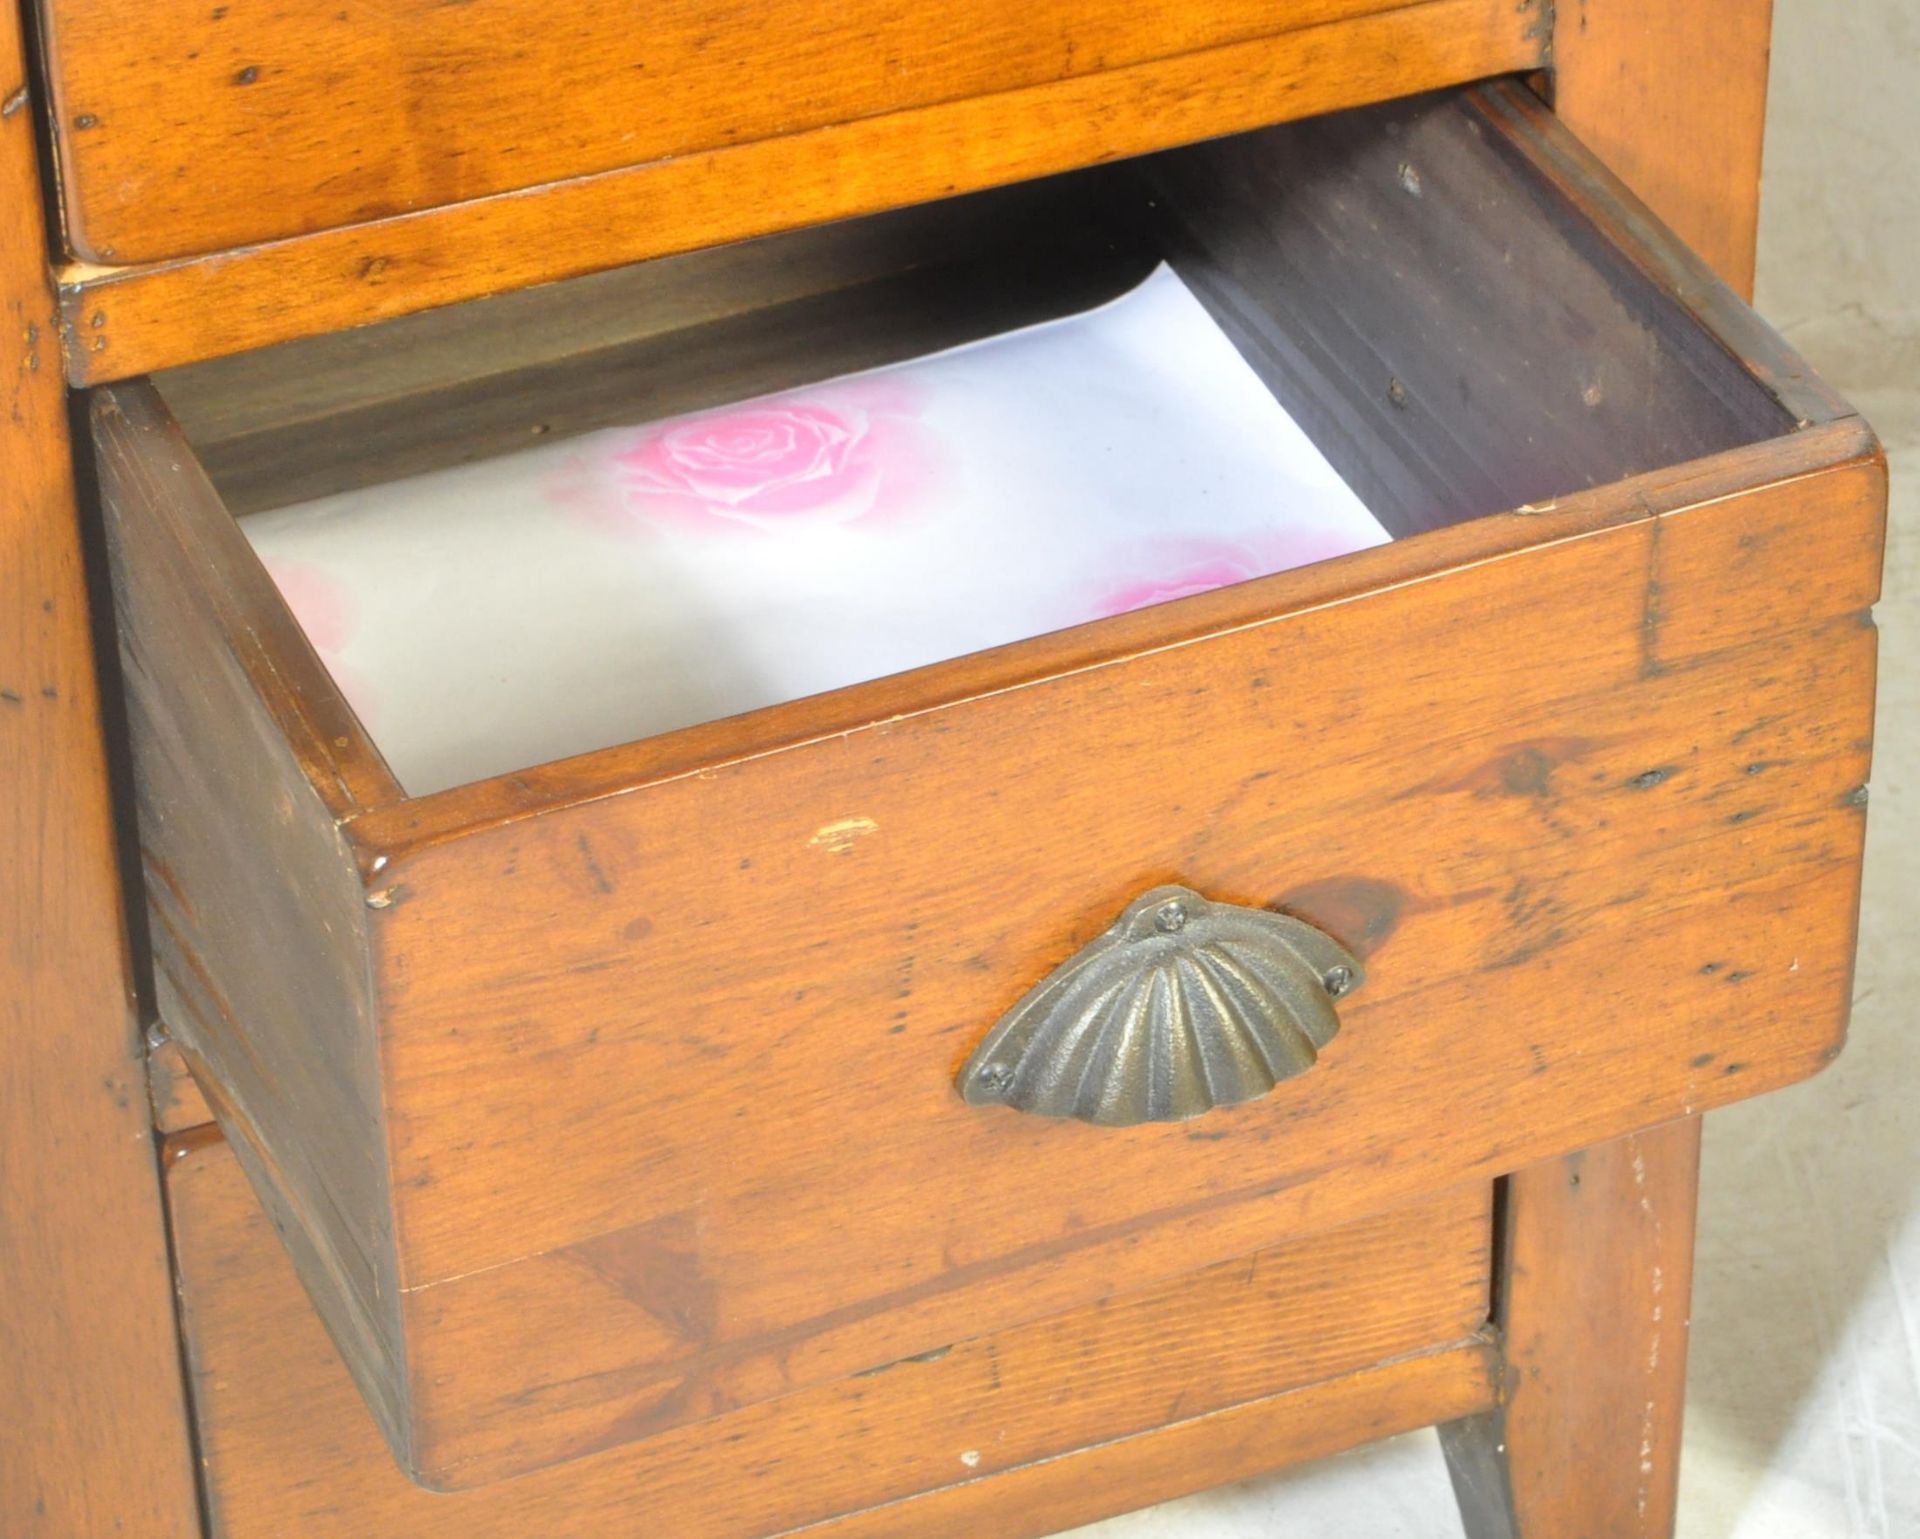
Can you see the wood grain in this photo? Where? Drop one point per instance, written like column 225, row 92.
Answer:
column 291, row 1451
column 131, row 320
column 1589, row 767
column 1538, row 803
column 1673, row 98
column 256, row 916
column 1596, row 1276
column 1437, row 304
column 95, row 1438
column 1646, row 744
column 1184, row 1457
column 1623, row 221
column 1648, row 84
column 319, row 120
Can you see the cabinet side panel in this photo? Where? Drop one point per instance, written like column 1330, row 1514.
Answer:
column 93, row 1438
column 1674, row 98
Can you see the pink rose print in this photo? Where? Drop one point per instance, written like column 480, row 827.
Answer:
column 831, row 456
column 327, row 609
column 1176, row 569
column 329, row 613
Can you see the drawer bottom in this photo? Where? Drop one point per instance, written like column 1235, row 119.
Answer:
column 1233, row 1362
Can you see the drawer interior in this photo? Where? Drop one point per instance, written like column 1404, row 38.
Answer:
column 1450, row 331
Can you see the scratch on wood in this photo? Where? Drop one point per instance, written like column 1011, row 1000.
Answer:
column 841, row 836
column 598, row 876
column 919, row 1357
column 1759, row 726
column 16, row 99
column 1652, row 607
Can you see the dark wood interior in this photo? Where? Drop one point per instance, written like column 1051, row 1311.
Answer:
column 1451, row 331
column 1454, row 335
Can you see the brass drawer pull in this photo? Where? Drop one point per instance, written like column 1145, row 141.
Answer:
column 1183, row 1005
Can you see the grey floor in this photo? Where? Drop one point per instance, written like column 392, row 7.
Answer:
column 1803, row 1419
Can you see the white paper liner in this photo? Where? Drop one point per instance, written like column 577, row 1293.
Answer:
column 609, row 587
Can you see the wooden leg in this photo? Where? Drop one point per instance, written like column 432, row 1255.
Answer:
column 1595, row 1275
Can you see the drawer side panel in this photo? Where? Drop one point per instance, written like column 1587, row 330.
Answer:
column 255, row 908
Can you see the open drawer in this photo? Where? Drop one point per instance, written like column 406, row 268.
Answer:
column 602, row 1096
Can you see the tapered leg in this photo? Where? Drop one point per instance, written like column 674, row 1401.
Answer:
column 1592, row 1300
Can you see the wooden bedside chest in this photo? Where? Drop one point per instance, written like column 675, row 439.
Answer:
column 625, row 1144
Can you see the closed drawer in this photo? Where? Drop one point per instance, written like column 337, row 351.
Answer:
column 1229, row 1355
column 184, row 128
column 605, row 1096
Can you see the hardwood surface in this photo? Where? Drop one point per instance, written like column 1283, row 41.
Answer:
column 94, row 1455
column 1423, row 286
column 93, row 1436
column 1530, row 798
column 1183, row 1457
column 317, row 119
column 1608, row 212
column 1673, row 97
column 131, row 320
column 1596, row 1277
column 291, row 1451
column 1498, row 805
column 256, row 914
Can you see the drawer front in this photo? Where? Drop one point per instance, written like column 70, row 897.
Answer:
column 290, row 1450
column 605, row 1098
column 318, row 118
column 1591, row 894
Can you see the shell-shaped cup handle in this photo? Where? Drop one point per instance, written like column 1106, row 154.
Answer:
column 1182, row 1006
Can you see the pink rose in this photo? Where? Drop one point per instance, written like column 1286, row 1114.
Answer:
column 1176, row 569
column 1183, row 582
column 328, row 610
column 821, row 459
